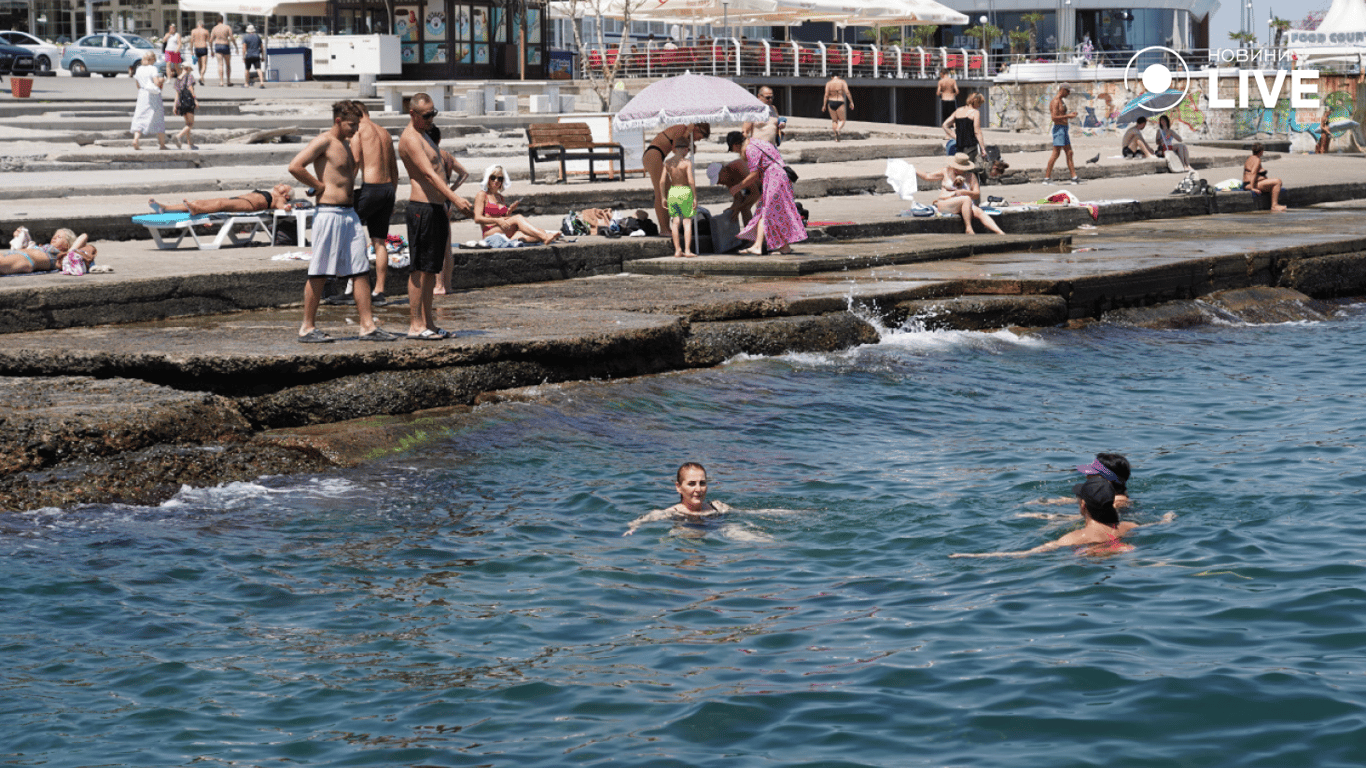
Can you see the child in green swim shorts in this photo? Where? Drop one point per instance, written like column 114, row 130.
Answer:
column 681, row 195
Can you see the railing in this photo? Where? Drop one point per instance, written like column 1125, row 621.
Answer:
column 730, row 57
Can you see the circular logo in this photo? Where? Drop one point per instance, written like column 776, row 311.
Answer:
column 1158, row 79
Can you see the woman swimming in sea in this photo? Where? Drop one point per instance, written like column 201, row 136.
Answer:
column 1113, row 467
column 1101, row 529
column 692, row 508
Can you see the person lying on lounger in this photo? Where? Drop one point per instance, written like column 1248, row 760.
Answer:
column 31, row 257
column 252, row 202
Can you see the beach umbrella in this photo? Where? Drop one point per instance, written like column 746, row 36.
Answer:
column 686, row 99
column 1149, row 105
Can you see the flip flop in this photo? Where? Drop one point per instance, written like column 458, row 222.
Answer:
column 427, row 335
column 316, row 336
column 379, row 334
column 156, row 207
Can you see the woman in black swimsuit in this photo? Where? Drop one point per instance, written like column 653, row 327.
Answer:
column 653, row 161
column 252, row 202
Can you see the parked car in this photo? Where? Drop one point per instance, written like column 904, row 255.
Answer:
column 15, row 60
column 45, row 55
column 108, row 53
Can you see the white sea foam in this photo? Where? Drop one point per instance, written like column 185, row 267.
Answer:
column 226, row 495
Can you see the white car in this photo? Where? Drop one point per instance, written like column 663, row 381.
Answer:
column 46, row 56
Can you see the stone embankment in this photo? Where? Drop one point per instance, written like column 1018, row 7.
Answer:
column 181, row 367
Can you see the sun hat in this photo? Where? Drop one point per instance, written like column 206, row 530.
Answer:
column 1096, row 468
column 962, row 162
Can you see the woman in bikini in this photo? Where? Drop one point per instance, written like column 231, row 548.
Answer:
column 494, row 214
column 45, row 258
column 1255, row 178
column 252, row 202
column 692, row 508
column 653, row 160
column 1101, row 529
column 837, row 100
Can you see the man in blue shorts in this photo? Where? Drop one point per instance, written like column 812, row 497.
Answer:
column 1062, row 142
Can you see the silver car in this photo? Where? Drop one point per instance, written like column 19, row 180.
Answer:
column 109, row 53
column 46, row 56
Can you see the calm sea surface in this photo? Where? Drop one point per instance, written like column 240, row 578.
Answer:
column 472, row 602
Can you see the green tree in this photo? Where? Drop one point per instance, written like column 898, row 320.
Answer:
column 923, row 34
column 985, row 33
column 1020, row 41
column 1244, row 39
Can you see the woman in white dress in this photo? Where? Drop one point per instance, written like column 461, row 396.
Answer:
column 150, row 116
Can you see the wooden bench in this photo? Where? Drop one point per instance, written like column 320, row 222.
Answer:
column 571, row 141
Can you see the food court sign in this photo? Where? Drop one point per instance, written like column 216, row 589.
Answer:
column 1325, row 37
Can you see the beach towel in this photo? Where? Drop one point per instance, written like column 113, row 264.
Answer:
column 901, row 175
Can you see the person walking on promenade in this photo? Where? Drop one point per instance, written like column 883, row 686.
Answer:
column 776, row 220
column 964, row 126
column 171, row 46
column 959, row 193
column 373, row 149
column 150, row 115
column 1255, row 178
column 947, row 90
column 224, row 43
column 1062, row 141
column 836, row 101
column 185, row 101
column 199, row 44
column 338, row 236
column 429, row 224
column 252, row 50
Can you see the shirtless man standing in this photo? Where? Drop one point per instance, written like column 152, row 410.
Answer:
column 338, row 237
column 373, row 149
column 429, row 226
column 947, row 90
column 837, row 98
column 1062, row 142
column 199, row 41
column 223, row 45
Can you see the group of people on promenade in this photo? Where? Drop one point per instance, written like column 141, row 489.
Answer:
column 224, row 43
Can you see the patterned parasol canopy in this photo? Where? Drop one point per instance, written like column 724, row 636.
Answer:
column 687, row 98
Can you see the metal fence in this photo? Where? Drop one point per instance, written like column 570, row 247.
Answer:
column 731, row 57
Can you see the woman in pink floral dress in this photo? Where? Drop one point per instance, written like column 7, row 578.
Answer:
column 775, row 220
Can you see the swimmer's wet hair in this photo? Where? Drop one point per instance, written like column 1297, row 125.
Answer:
column 1118, row 464
column 678, row 477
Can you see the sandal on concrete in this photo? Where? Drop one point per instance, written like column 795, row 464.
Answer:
column 427, row 334
column 315, row 336
column 379, row 334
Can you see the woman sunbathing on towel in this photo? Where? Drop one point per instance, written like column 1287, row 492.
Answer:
column 252, row 202
column 45, row 258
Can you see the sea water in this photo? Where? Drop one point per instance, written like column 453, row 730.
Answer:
column 473, row 602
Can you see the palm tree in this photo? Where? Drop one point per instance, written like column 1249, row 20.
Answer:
column 1033, row 19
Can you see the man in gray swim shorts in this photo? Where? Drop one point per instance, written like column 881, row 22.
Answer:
column 338, row 235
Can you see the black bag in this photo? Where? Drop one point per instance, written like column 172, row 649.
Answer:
column 286, row 233
column 791, row 174
column 704, row 241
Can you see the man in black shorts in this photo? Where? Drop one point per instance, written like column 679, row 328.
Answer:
column 373, row 149
column 429, row 226
column 199, row 40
